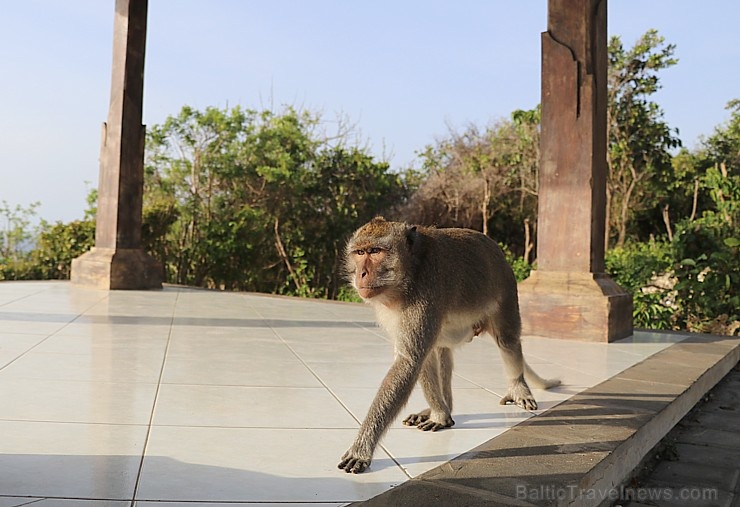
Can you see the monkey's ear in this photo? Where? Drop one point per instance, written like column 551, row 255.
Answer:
column 411, row 237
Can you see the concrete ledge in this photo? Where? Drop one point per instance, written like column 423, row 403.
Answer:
column 580, row 451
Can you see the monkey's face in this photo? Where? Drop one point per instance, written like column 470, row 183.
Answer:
column 369, row 264
column 373, row 261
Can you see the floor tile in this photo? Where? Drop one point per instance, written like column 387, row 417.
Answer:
column 345, row 352
column 33, row 323
column 341, row 332
column 249, row 343
column 357, row 374
column 249, row 407
column 228, row 306
column 96, row 330
column 73, row 401
column 257, row 465
column 91, row 340
column 201, row 327
column 14, row 291
column 238, row 370
column 70, row 460
column 100, row 365
column 12, row 345
column 55, row 296
column 361, row 374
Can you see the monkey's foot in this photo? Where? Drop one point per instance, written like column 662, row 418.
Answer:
column 353, row 464
column 425, row 422
column 416, row 419
column 520, row 395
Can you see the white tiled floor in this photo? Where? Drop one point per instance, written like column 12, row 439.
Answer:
column 154, row 398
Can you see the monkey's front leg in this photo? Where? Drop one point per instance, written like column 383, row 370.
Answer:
column 392, row 396
column 435, row 380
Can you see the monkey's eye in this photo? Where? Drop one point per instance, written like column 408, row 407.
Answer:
column 374, row 250
column 360, row 252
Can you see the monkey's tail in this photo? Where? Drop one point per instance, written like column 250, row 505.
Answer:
column 535, row 380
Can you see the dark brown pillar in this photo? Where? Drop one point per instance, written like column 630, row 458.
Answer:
column 569, row 296
column 118, row 261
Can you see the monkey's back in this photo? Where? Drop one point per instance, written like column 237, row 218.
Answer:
column 477, row 274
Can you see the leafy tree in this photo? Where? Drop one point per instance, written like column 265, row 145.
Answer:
column 221, row 173
column 483, row 179
column 345, row 187
column 690, row 281
column 248, row 200
column 639, row 141
column 487, row 178
column 707, row 247
column 16, row 235
column 17, row 239
column 723, row 146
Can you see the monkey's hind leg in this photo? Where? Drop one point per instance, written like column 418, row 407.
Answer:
column 436, row 382
column 518, row 392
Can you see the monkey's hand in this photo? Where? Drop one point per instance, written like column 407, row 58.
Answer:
column 520, row 395
column 353, row 463
column 426, row 422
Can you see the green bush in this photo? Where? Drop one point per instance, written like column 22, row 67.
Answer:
column 637, row 268
column 690, row 283
column 58, row 245
column 17, row 269
column 521, row 267
column 708, row 275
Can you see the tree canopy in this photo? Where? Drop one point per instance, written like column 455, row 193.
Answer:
column 246, row 200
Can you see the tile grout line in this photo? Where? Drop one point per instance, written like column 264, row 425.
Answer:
column 154, row 403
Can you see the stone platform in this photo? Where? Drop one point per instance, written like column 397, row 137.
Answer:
column 182, row 397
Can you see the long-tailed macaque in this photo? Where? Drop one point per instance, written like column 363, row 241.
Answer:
column 432, row 290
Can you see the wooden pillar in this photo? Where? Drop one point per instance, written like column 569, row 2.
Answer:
column 569, row 295
column 118, row 261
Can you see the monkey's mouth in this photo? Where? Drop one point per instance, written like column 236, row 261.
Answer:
column 368, row 292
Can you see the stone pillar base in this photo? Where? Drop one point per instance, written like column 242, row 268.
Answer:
column 575, row 306
column 109, row 269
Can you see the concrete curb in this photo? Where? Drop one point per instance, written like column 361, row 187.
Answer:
column 579, row 452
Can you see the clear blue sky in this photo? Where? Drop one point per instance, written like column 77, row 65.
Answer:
column 402, row 71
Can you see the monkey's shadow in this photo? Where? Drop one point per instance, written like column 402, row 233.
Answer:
column 510, row 415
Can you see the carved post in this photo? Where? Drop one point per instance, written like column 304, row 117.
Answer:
column 118, row 261
column 569, row 295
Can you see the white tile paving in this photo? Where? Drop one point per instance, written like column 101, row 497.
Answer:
column 177, row 396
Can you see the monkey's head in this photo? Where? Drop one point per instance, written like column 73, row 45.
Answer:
column 377, row 257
